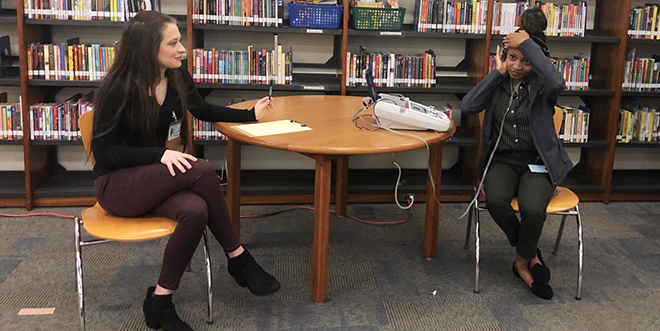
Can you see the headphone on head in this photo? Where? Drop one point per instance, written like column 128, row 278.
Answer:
column 537, row 40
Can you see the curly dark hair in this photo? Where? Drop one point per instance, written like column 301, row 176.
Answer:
column 533, row 21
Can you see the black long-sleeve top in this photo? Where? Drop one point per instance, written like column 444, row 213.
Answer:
column 123, row 147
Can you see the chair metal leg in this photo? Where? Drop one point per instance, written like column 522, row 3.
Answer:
column 209, row 278
column 578, row 295
column 477, row 243
column 79, row 271
column 189, row 267
column 559, row 233
column 469, row 229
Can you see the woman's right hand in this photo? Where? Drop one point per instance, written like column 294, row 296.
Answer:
column 177, row 159
column 499, row 64
column 261, row 106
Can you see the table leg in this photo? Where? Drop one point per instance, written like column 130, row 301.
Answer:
column 234, row 184
column 321, row 229
column 432, row 206
column 341, row 186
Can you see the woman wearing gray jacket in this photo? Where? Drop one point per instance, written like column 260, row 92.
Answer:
column 529, row 160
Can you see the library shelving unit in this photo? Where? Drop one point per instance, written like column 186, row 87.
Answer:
column 47, row 184
column 12, row 183
column 640, row 184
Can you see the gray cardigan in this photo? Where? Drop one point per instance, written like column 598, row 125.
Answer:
column 544, row 88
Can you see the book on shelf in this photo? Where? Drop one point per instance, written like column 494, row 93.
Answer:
column 205, row 131
column 265, row 13
column 87, row 10
column 69, row 60
column 641, row 74
column 575, row 71
column 58, row 120
column 637, row 122
column 645, row 22
column 575, row 123
column 505, row 16
column 451, row 16
column 11, row 127
column 251, row 66
column 565, row 20
column 391, row 70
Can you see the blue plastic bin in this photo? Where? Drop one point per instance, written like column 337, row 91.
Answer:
column 315, row 16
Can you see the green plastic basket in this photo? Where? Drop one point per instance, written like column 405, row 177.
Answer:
column 384, row 19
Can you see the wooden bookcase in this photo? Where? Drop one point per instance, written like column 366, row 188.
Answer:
column 47, row 184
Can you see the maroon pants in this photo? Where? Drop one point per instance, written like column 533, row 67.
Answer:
column 194, row 199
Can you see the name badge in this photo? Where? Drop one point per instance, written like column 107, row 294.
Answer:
column 537, row 168
column 175, row 130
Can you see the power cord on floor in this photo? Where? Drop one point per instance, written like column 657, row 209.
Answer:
column 410, row 212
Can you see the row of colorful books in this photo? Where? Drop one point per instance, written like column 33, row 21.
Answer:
column 69, row 61
column 568, row 20
column 392, row 70
column 11, row 127
column 205, row 131
column 87, row 10
column 575, row 71
column 451, row 16
column 575, row 124
column 641, row 74
column 58, row 121
column 505, row 16
column 243, row 67
column 645, row 22
column 267, row 13
column 641, row 124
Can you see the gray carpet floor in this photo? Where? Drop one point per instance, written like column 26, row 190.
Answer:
column 378, row 278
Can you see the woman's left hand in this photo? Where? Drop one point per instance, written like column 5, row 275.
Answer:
column 262, row 105
column 515, row 39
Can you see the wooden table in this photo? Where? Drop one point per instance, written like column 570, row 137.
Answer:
column 333, row 137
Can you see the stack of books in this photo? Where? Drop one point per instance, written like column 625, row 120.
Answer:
column 575, row 71
column 87, row 10
column 569, row 20
column 505, row 16
column 645, row 22
column 637, row 123
column 10, row 119
column 266, row 13
column 69, row 61
column 205, row 131
column 392, row 70
column 58, row 121
column 243, row 67
column 641, row 74
column 451, row 16
column 575, row 124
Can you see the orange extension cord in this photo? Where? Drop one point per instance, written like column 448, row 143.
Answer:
column 410, row 212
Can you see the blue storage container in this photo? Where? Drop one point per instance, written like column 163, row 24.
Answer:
column 315, row 16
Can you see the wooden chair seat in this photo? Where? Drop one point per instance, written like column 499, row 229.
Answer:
column 102, row 225
column 562, row 200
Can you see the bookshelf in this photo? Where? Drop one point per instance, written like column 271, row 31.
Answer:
column 45, row 183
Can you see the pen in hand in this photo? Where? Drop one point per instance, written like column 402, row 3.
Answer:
column 270, row 95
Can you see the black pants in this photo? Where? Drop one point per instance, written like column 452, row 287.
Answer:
column 509, row 176
column 194, row 199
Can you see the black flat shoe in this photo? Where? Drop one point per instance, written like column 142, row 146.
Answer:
column 159, row 312
column 543, row 291
column 540, row 272
column 248, row 273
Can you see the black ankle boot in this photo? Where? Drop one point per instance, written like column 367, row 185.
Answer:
column 159, row 312
column 247, row 272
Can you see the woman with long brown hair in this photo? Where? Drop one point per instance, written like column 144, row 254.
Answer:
column 138, row 109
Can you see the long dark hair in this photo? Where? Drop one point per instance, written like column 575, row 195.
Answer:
column 136, row 73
